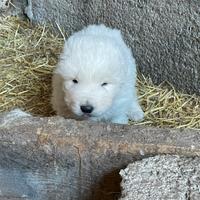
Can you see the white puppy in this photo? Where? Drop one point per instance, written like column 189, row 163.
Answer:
column 95, row 78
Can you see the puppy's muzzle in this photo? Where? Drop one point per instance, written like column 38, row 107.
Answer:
column 87, row 109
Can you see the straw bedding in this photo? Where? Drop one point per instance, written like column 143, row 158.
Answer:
column 28, row 55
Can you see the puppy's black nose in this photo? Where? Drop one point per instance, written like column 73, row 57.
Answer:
column 87, row 109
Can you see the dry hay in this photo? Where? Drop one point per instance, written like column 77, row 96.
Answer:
column 27, row 57
column 28, row 54
column 165, row 107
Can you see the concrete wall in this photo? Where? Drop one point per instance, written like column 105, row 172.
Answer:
column 13, row 7
column 164, row 35
column 162, row 177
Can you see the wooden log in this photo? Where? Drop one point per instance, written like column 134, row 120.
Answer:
column 54, row 158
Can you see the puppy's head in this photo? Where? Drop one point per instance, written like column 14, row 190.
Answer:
column 93, row 73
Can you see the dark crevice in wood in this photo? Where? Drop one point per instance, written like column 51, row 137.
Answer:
column 108, row 188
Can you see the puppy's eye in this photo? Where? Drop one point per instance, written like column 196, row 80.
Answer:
column 104, row 84
column 75, row 81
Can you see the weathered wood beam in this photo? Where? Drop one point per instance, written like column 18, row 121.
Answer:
column 54, row 158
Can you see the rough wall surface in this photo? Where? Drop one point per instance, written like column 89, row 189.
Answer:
column 162, row 177
column 12, row 7
column 164, row 35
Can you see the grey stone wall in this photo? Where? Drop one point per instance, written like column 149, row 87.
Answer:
column 164, row 35
column 12, row 7
column 163, row 177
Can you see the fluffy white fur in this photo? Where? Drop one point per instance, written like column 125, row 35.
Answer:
column 96, row 69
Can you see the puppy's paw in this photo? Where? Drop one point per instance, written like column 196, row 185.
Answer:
column 137, row 116
column 17, row 113
column 13, row 115
column 123, row 119
column 136, row 113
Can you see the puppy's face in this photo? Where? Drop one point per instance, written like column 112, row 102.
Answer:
column 93, row 72
column 90, row 96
